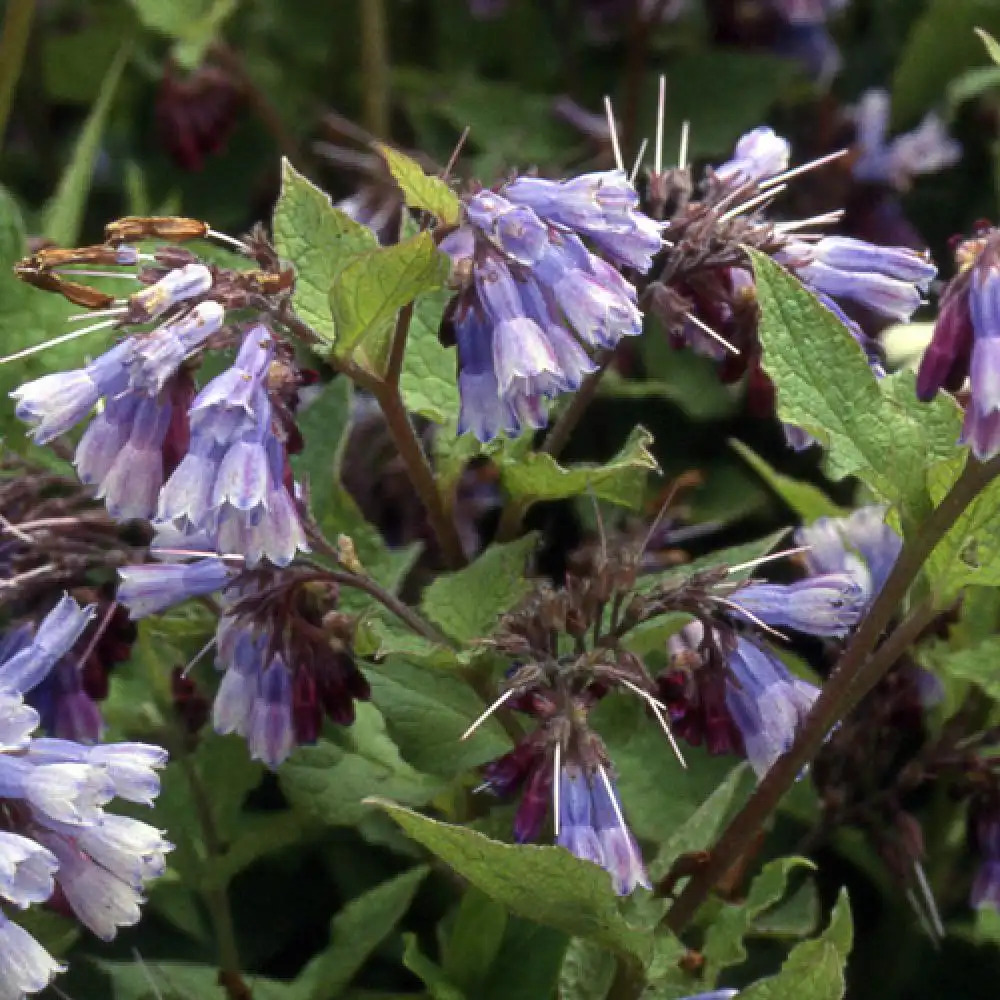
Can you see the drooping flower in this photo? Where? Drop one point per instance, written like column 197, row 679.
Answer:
column 756, row 704
column 985, row 830
column 591, row 826
column 58, row 834
column 535, row 299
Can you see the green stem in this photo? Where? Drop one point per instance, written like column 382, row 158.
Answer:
column 215, row 895
column 420, row 473
column 13, row 43
column 856, row 673
column 375, row 67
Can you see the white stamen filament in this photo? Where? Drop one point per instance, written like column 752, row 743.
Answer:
column 638, row 161
column 925, row 925
column 197, row 656
column 38, row 348
column 803, row 168
column 826, row 219
column 14, row 530
column 137, row 958
column 749, row 614
column 613, row 129
column 489, row 711
column 761, row 199
column 928, row 895
column 80, row 273
column 611, row 794
column 230, row 240
column 702, row 325
column 556, row 765
column 739, row 567
column 661, row 110
column 682, row 154
column 114, row 311
column 659, row 710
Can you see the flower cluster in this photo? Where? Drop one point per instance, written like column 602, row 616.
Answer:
column 284, row 651
column 534, row 298
column 724, row 687
column 56, row 838
column 209, row 468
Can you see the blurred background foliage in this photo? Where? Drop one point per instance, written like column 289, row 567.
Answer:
column 114, row 107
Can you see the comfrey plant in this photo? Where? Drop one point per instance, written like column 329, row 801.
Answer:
column 202, row 500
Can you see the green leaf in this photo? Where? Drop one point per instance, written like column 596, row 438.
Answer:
column 976, row 665
column 467, row 604
column 474, row 941
column 355, row 932
column 193, row 23
column 428, row 381
column 806, row 500
column 970, row 552
column 622, row 480
column 368, row 292
column 324, row 426
column 587, row 971
column 527, row 967
column 430, row 973
column 419, row 189
column 152, row 980
column 724, row 945
column 941, row 43
column 545, row 884
column 63, row 216
column 427, row 711
column 328, row 783
column 874, row 429
column 318, row 240
column 992, row 45
column 814, row 970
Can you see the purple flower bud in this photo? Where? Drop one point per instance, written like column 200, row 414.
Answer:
column 153, row 587
column 946, row 360
column 758, row 155
column 178, row 285
column 820, row 605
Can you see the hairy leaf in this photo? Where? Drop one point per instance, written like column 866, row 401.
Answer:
column 318, row 240
column 622, row 480
column 369, row 290
column 874, row 429
column 467, row 604
column 545, row 884
column 419, row 189
column 428, row 381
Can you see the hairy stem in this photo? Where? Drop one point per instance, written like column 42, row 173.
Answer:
column 216, row 896
column 13, row 43
column 856, row 673
column 420, row 473
column 375, row 67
